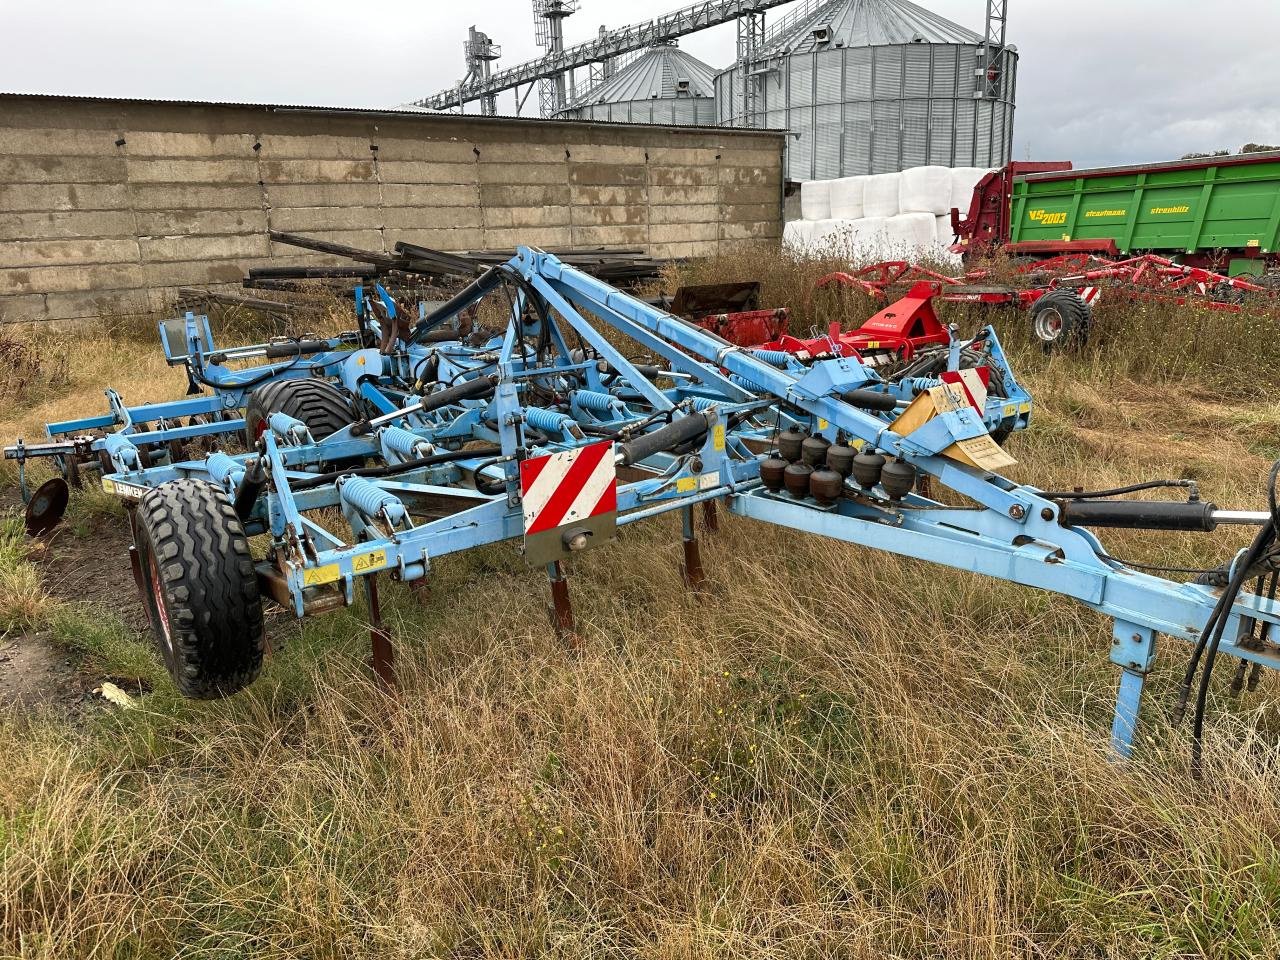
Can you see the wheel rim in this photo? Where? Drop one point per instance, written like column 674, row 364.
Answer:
column 1049, row 324
column 159, row 613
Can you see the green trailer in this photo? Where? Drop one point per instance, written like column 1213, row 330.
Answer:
column 1210, row 212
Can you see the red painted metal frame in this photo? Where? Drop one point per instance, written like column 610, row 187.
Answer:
column 747, row 327
column 900, row 329
column 1147, row 278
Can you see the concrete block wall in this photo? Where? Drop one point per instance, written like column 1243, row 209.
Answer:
column 107, row 206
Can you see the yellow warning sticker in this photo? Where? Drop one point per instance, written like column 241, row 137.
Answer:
column 317, row 576
column 822, row 424
column 369, row 561
column 360, row 563
column 686, row 485
column 718, row 437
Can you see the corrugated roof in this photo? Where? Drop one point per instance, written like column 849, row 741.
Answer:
column 863, row 23
column 403, row 112
column 654, row 75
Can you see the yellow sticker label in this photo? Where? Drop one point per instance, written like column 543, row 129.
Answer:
column 822, row 424
column 369, row 561
column 718, row 437
column 1252, row 243
column 126, row 491
column 317, row 576
column 873, row 344
column 686, row 485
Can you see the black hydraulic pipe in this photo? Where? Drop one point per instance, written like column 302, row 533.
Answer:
column 389, row 470
column 869, row 400
column 274, row 351
column 467, row 390
column 251, row 486
column 1139, row 514
column 471, row 293
column 664, row 438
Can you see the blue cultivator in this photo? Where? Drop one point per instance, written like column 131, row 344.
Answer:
column 432, row 437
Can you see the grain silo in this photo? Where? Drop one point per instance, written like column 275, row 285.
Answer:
column 876, row 86
column 662, row 85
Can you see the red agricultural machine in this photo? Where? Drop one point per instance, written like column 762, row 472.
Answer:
column 1059, row 293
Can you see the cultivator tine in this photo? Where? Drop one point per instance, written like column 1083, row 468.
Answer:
column 383, row 658
column 561, row 607
column 691, row 569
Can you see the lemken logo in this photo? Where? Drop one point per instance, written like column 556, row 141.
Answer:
column 1047, row 218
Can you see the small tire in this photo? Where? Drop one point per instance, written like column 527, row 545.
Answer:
column 199, row 588
column 318, row 403
column 1060, row 319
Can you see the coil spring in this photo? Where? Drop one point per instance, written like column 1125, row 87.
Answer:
column 221, row 467
column 745, row 383
column 921, row 384
column 404, row 442
column 702, row 403
column 549, row 420
column 777, row 358
column 369, row 499
column 596, row 401
column 287, row 428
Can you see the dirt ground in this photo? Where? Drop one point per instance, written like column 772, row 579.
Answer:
column 35, row 672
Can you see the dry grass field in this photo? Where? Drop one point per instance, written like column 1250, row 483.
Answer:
column 835, row 753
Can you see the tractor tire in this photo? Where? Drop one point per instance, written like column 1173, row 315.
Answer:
column 199, row 588
column 318, row 403
column 1060, row 320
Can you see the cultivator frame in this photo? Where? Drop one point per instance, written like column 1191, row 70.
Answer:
column 697, row 427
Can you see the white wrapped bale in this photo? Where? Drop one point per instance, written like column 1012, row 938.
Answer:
column 829, row 237
column 963, row 180
column 861, row 239
column 815, row 200
column 943, row 232
column 880, row 195
column 924, row 190
column 847, row 198
column 797, row 236
column 911, row 235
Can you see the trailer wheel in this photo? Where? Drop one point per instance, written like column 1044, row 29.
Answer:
column 1060, row 319
column 319, row 404
column 199, row 588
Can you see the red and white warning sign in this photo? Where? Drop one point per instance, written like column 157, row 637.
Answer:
column 569, row 493
column 974, row 383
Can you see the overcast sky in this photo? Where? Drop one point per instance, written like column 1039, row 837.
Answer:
column 1100, row 81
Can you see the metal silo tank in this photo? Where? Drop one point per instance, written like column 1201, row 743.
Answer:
column 875, row 86
column 663, row 85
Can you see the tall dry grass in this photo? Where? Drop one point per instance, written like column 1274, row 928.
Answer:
column 835, row 753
